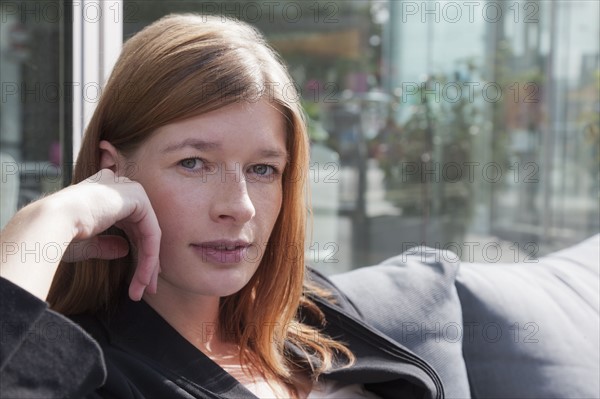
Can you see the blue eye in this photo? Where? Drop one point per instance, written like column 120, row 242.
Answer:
column 262, row 169
column 191, row 163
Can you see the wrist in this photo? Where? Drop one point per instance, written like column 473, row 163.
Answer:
column 57, row 215
column 33, row 243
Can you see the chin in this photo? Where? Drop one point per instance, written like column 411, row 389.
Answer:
column 223, row 281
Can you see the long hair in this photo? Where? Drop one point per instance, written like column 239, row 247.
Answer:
column 179, row 67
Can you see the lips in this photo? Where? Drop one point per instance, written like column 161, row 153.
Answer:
column 222, row 251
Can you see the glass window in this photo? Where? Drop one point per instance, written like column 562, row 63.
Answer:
column 34, row 63
column 469, row 126
column 465, row 126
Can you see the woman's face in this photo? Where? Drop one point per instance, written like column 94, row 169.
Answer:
column 215, row 183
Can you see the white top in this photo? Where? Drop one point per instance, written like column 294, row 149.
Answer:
column 336, row 390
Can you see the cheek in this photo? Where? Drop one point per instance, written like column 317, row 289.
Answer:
column 174, row 208
column 268, row 206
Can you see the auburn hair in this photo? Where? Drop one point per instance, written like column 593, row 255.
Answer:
column 176, row 68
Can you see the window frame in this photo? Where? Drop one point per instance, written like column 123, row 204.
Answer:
column 97, row 39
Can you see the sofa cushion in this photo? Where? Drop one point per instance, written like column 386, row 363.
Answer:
column 531, row 330
column 412, row 299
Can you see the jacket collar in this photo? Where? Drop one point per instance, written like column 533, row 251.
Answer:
column 138, row 328
column 381, row 363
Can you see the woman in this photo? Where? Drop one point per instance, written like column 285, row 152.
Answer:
column 196, row 155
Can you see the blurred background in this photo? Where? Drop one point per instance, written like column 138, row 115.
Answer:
column 470, row 126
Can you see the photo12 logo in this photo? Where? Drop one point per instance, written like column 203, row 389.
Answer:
column 271, row 11
column 469, row 11
column 58, row 11
column 470, row 92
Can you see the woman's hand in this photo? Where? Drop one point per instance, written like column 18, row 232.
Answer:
column 75, row 216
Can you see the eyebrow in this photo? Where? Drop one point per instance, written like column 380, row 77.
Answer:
column 273, row 153
column 203, row 145
column 198, row 144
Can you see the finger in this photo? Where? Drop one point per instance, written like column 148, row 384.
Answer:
column 136, row 289
column 152, row 288
column 148, row 244
column 146, row 274
column 144, row 278
column 99, row 247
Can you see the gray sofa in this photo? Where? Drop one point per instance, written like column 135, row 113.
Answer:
column 518, row 330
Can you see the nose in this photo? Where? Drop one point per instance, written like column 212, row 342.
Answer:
column 231, row 201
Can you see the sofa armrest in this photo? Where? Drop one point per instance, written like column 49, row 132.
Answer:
column 532, row 329
column 412, row 299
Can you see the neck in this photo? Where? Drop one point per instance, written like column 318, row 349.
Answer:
column 194, row 316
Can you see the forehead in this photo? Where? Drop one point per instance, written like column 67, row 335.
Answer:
column 259, row 124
